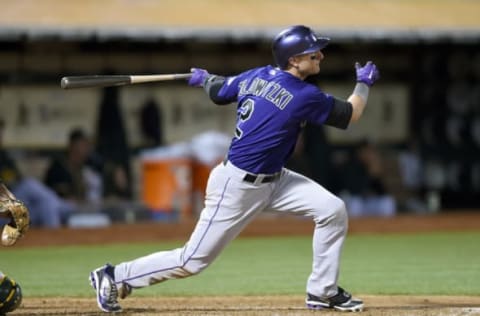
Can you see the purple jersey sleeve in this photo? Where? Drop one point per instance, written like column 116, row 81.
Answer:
column 317, row 105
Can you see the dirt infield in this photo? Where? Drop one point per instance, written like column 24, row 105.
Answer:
column 251, row 305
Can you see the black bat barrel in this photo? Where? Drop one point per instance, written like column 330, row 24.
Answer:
column 93, row 81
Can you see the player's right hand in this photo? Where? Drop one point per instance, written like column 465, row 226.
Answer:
column 367, row 74
column 198, row 78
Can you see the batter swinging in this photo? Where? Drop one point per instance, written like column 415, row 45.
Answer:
column 273, row 104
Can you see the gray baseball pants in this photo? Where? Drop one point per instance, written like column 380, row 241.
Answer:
column 230, row 204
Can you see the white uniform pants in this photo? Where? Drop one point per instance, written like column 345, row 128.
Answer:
column 230, row 204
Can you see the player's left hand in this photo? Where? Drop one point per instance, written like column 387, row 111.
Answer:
column 18, row 214
column 198, row 78
column 367, row 74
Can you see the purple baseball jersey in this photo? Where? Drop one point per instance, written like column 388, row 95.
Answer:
column 272, row 105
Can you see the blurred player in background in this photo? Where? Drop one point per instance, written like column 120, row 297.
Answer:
column 46, row 208
column 71, row 176
column 273, row 104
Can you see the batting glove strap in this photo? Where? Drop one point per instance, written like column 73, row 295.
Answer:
column 362, row 90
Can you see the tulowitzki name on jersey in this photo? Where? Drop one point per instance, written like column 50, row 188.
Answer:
column 268, row 90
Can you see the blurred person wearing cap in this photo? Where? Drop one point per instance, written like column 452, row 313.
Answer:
column 74, row 175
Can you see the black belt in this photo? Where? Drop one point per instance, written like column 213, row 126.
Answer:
column 266, row 179
column 251, row 178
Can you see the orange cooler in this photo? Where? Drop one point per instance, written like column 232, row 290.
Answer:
column 167, row 186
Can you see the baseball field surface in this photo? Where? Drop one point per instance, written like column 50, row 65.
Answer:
column 409, row 265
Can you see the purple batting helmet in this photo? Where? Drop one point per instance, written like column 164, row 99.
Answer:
column 296, row 40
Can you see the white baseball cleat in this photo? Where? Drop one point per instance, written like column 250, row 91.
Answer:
column 342, row 301
column 102, row 282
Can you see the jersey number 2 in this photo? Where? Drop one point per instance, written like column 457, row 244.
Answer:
column 244, row 113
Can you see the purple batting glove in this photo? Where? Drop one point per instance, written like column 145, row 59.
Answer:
column 198, row 78
column 367, row 74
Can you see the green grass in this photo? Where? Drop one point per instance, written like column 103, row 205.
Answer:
column 434, row 263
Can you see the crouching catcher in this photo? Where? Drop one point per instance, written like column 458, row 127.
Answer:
column 18, row 221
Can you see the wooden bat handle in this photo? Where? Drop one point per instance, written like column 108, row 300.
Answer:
column 152, row 78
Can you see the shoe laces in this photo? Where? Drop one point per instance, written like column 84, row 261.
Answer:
column 111, row 293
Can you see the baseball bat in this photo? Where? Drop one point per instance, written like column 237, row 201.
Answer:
column 74, row 82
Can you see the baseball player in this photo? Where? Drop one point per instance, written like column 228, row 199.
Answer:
column 14, row 223
column 273, row 103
